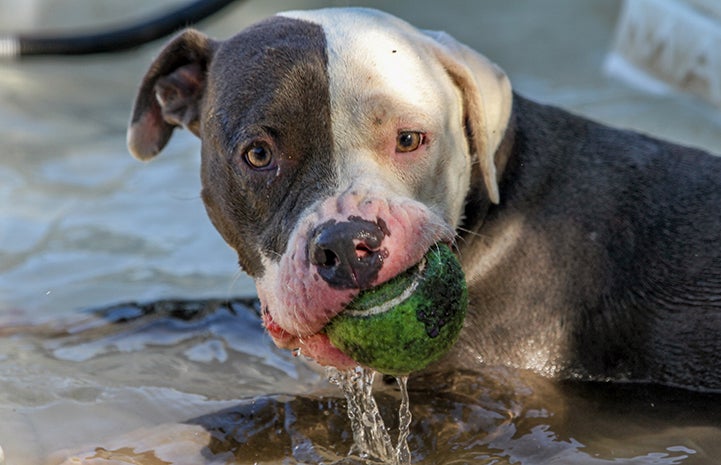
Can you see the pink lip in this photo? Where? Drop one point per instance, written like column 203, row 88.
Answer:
column 317, row 346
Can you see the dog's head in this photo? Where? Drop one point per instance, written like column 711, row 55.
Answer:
column 337, row 147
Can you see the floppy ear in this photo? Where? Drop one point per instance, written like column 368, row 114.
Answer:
column 170, row 94
column 487, row 101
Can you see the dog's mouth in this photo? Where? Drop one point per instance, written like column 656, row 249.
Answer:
column 377, row 299
column 315, row 346
column 371, row 301
column 301, row 292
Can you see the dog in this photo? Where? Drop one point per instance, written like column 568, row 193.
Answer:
column 339, row 145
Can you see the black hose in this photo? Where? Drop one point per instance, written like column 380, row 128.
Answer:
column 118, row 39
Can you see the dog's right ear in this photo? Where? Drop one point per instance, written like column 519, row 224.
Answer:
column 170, row 94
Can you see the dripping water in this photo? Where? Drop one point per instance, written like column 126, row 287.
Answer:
column 371, row 440
column 403, row 452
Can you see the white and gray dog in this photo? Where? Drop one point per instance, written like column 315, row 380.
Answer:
column 339, row 145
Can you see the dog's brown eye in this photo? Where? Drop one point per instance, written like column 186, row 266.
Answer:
column 259, row 157
column 408, row 141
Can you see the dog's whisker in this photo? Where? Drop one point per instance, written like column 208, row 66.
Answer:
column 472, row 233
column 234, row 280
column 273, row 252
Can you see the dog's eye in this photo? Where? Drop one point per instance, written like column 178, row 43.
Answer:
column 259, row 156
column 408, row 141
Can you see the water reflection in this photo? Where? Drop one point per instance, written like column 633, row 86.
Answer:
column 497, row 415
column 306, row 429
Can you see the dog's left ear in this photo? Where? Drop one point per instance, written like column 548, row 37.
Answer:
column 487, row 101
column 170, row 94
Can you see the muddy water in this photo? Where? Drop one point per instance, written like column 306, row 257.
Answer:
column 82, row 226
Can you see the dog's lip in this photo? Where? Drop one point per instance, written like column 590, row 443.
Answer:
column 282, row 338
column 306, row 336
column 317, row 346
column 286, row 339
column 276, row 332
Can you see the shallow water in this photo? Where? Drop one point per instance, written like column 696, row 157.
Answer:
column 198, row 382
column 83, row 226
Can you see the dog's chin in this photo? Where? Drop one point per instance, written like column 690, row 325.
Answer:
column 316, row 346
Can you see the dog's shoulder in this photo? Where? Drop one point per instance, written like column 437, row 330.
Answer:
column 634, row 224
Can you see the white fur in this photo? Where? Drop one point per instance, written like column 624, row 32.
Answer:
column 381, row 68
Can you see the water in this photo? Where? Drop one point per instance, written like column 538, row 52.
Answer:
column 370, row 435
column 371, row 439
column 198, row 382
column 83, row 226
column 403, row 451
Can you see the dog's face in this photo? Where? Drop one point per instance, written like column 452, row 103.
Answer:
column 337, row 147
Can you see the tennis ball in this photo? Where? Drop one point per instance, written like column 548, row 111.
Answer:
column 408, row 322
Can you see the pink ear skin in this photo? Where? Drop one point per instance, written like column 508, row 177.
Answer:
column 170, row 94
column 179, row 94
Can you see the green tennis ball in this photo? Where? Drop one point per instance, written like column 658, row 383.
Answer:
column 408, row 322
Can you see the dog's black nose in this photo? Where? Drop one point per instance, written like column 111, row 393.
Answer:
column 348, row 254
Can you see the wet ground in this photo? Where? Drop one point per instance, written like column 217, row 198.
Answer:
column 83, row 226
